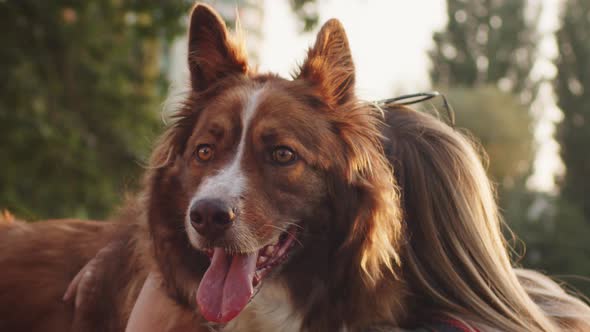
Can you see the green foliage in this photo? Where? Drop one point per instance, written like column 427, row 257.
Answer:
column 572, row 87
column 79, row 100
column 557, row 242
column 307, row 12
column 501, row 124
column 489, row 44
column 486, row 42
column 561, row 244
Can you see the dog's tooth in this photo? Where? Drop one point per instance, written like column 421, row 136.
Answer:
column 262, row 259
column 269, row 250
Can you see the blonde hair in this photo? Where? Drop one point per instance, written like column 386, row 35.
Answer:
column 456, row 260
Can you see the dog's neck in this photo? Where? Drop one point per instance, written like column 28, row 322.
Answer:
column 274, row 309
column 271, row 309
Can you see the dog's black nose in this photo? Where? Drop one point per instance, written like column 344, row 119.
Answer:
column 211, row 217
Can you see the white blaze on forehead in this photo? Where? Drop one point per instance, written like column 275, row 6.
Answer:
column 230, row 181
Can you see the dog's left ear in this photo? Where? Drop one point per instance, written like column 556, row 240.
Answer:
column 329, row 65
column 212, row 54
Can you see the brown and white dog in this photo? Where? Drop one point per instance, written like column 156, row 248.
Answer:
column 268, row 206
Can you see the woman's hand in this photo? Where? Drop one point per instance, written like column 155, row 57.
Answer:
column 85, row 284
column 155, row 311
column 89, row 287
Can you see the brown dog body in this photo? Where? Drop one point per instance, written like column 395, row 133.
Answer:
column 38, row 261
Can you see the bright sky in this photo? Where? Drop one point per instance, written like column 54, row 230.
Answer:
column 389, row 41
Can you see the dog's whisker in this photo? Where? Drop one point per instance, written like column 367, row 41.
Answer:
column 296, row 239
column 294, row 224
column 287, row 231
column 286, row 227
column 276, row 227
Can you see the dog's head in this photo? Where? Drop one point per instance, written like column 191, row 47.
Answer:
column 262, row 177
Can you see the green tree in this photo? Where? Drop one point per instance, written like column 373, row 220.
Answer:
column 501, row 124
column 557, row 241
column 307, row 12
column 80, row 95
column 572, row 87
column 491, row 45
column 569, row 230
column 486, row 42
column 79, row 100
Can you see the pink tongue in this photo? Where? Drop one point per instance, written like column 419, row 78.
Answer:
column 226, row 286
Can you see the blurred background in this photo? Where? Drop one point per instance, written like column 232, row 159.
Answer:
column 86, row 86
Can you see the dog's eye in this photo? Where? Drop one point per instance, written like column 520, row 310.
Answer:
column 204, row 152
column 283, row 155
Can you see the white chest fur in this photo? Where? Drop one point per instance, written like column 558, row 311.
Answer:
column 271, row 310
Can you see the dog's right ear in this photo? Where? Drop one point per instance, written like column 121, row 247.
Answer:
column 329, row 65
column 212, row 55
